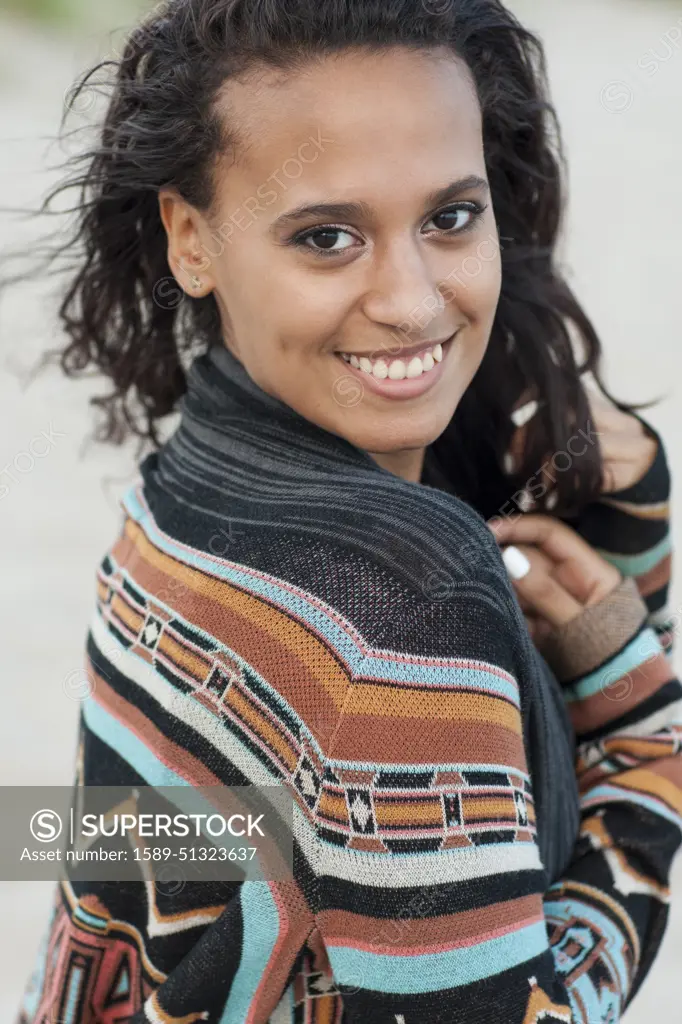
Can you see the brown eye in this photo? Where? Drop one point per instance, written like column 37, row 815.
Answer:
column 458, row 218
column 326, row 239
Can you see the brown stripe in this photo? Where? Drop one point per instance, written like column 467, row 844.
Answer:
column 252, row 717
column 622, row 695
column 342, row 927
column 366, row 738
column 651, row 581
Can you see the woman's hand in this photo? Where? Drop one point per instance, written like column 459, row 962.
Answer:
column 627, row 449
column 565, row 575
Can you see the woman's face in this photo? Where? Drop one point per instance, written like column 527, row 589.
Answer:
column 354, row 224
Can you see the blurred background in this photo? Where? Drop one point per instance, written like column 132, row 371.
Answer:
column 616, row 77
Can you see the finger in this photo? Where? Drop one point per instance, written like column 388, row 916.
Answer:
column 544, row 596
column 576, row 566
column 554, row 538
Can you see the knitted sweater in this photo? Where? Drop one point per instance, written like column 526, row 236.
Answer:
column 279, row 608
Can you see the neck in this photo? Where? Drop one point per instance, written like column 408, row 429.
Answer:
column 407, row 463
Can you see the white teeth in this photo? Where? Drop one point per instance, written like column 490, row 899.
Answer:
column 396, row 369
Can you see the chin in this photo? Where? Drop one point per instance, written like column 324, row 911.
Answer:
column 385, row 441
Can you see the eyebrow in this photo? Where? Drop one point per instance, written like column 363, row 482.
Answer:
column 363, row 211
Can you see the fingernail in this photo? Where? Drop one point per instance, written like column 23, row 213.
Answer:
column 516, row 562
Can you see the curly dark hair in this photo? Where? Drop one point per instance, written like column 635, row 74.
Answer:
column 126, row 318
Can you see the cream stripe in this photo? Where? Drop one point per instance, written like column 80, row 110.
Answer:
column 399, row 872
column 661, row 719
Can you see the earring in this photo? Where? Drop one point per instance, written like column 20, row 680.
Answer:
column 196, row 283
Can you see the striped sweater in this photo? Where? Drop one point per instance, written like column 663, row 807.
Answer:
column 354, row 638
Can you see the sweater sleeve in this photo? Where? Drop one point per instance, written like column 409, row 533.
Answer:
column 607, row 916
column 631, row 529
column 435, row 910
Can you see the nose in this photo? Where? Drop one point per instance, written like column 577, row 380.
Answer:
column 403, row 291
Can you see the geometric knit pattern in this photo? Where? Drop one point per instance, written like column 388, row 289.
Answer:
column 418, row 893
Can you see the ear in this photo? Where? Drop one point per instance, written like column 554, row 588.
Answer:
column 190, row 266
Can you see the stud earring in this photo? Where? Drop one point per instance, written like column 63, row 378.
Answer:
column 196, row 283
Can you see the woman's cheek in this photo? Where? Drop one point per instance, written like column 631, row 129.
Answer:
column 473, row 288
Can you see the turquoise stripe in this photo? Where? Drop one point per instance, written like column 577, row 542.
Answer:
column 188, row 799
column 369, row 666
column 644, row 646
column 74, row 990
column 96, row 922
column 424, row 767
column 260, row 919
column 610, row 793
column 636, row 565
column 124, row 742
column 431, row 972
column 599, row 1004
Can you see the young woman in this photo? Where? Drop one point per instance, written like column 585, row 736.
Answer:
column 360, row 201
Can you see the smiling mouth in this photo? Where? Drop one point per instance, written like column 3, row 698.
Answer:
column 399, row 367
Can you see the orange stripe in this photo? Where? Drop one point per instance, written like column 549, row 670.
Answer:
column 655, row 511
column 333, row 806
column 643, row 748
column 409, row 813
column 664, row 781
column 188, row 661
column 454, row 706
column 481, row 809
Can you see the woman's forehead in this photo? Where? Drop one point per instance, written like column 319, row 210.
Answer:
column 385, row 113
